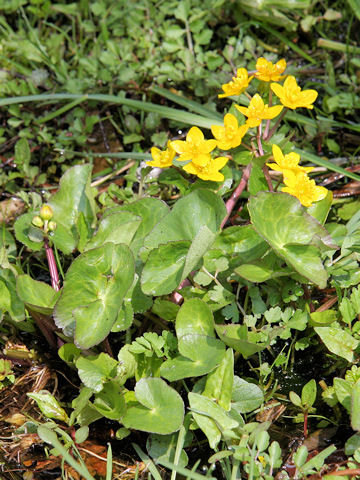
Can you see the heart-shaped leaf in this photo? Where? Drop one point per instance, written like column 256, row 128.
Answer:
column 158, row 409
column 93, row 292
column 38, row 296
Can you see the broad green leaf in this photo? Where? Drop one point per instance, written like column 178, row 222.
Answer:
column 22, row 153
column 74, row 196
column 211, row 418
column 244, row 242
column 246, row 397
column 38, row 296
column 94, row 371
column 49, row 405
column 338, row 341
column 110, row 402
column 93, row 291
column 257, row 181
column 119, row 227
column 69, row 352
column 200, row 354
column 164, row 267
column 22, row 227
column 295, row 235
column 189, row 214
column 194, row 317
column 232, row 336
column 158, row 409
column 151, row 210
column 219, row 383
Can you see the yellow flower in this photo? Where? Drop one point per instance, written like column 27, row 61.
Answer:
column 300, row 186
column 288, row 162
column 210, row 171
column 162, row 159
column 237, row 85
column 258, row 111
column 231, row 134
column 291, row 96
column 267, row 71
column 195, row 148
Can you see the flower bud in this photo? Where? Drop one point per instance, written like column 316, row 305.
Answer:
column 37, row 221
column 46, row 212
column 52, row 226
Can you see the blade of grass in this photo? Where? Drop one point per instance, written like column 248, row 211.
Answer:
column 184, row 471
column 337, row 46
column 126, row 155
column 109, row 463
column 285, row 40
column 185, row 102
column 310, row 157
column 61, row 110
column 147, row 460
column 355, row 6
column 49, row 436
column 180, row 443
column 165, row 112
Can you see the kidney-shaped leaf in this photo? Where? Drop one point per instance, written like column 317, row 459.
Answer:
column 93, row 292
column 190, row 213
column 294, row 234
column 194, row 317
column 159, row 408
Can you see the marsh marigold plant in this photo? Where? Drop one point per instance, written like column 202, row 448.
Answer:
column 245, row 130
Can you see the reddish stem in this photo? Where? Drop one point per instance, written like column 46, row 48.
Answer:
column 305, row 423
column 230, row 204
column 55, row 283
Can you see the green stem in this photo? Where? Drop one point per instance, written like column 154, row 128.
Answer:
column 273, row 130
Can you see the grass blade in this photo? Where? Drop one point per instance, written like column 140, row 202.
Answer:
column 310, row 157
column 185, row 472
column 165, row 112
column 109, row 463
column 149, row 463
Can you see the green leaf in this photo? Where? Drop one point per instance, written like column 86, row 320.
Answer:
column 22, row 227
column 338, row 341
column 158, row 409
column 308, row 394
column 233, row 336
column 93, row 291
column 198, row 248
column 200, row 354
column 163, row 447
column 321, row 209
column 295, row 235
column 94, row 371
column 323, row 319
column 118, row 227
column 164, row 268
column 190, row 213
column 343, row 390
column 257, row 180
column 194, row 317
column 74, row 196
column 246, row 397
column 219, row 383
column 69, row 352
column 110, row 402
column 38, row 296
column 49, row 406
column 22, row 153
column 210, row 417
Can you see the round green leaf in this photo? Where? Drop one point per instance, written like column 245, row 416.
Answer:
column 93, row 292
column 159, row 408
column 246, row 396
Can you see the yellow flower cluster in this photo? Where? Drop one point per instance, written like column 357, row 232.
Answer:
column 296, row 180
column 197, row 150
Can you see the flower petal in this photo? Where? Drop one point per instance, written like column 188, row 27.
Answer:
column 243, row 110
column 179, row 146
column 230, row 121
column 194, row 135
column 272, row 112
column 208, row 146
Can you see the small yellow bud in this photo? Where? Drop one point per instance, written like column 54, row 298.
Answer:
column 37, row 221
column 52, row 226
column 46, row 212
